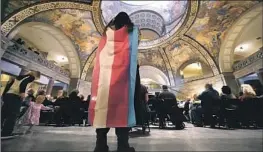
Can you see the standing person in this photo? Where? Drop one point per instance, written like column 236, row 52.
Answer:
column 32, row 115
column 13, row 96
column 113, row 85
column 60, row 108
column 75, row 107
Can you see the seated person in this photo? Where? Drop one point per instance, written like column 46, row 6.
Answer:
column 208, row 99
column 170, row 107
column 194, row 104
column 247, row 92
column 226, row 93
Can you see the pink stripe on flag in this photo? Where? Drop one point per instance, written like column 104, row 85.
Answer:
column 95, row 81
column 118, row 96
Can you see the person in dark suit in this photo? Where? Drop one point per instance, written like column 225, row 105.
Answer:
column 76, row 103
column 208, row 98
column 62, row 114
column 170, row 107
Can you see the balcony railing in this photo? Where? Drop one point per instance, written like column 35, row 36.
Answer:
column 19, row 50
column 249, row 60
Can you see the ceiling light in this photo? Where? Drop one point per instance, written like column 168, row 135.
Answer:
column 62, row 59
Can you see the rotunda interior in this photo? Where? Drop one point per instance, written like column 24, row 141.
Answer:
column 184, row 44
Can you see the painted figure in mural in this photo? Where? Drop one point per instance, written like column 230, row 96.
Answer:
column 213, row 20
column 13, row 96
column 113, row 84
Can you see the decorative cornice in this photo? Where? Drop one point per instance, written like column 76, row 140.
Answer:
column 18, row 17
column 249, row 60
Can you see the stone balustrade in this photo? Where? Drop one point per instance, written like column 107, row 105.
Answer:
column 20, row 51
column 249, row 60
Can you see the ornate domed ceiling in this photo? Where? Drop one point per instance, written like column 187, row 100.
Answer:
column 174, row 31
column 162, row 17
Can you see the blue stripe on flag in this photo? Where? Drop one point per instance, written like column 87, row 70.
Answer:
column 133, row 39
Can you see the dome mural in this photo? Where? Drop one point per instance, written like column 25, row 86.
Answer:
column 162, row 17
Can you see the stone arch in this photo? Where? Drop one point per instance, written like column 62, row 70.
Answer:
column 88, row 64
column 199, row 48
column 13, row 21
column 154, row 74
column 62, row 40
column 226, row 54
column 193, row 60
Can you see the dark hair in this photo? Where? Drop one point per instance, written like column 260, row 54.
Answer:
column 73, row 94
column 122, row 19
column 226, row 90
column 41, row 92
column 165, row 87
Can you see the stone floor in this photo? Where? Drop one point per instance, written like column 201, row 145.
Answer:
column 191, row 139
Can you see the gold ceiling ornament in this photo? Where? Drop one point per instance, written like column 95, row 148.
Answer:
column 87, row 65
column 18, row 17
column 197, row 47
column 162, row 42
column 97, row 16
column 167, row 65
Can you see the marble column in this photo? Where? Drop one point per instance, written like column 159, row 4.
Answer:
column 231, row 81
column 73, row 84
column 50, row 86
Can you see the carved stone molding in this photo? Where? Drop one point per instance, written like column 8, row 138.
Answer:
column 226, row 55
column 148, row 19
column 249, row 65
column 87, row 65
column 18, row 17
column 249, row 60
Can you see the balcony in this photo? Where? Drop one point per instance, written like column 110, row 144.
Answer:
column 249, row 60
column 11, row 50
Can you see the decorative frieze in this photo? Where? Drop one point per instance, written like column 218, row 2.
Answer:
column 24, row 57
column 249, row 60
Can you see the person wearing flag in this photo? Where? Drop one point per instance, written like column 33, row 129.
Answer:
column 113, row 83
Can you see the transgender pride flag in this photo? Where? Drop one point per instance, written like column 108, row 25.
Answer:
column 113, row 80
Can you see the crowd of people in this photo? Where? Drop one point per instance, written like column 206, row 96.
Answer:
column 200, row 109
column 117, row 100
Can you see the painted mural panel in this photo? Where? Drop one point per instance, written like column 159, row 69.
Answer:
column 76, row 24
column 180, row 53
column 152, row 58
column 214, row 19
column 13, row 5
